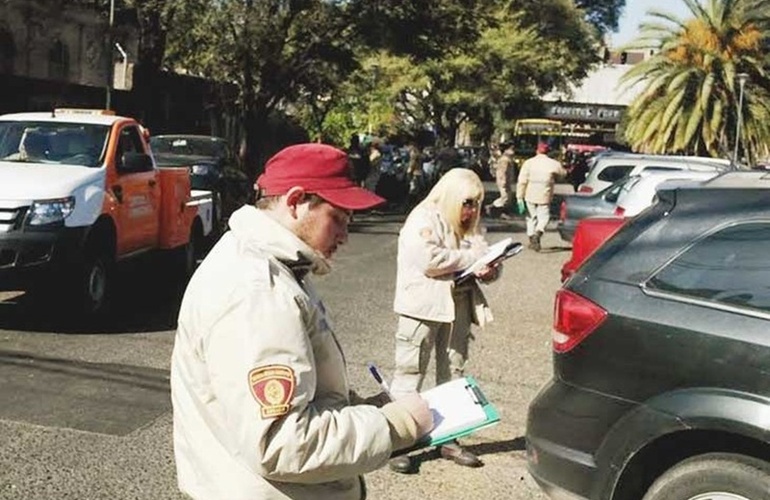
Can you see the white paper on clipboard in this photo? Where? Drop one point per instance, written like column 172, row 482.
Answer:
column 454, row 408
column 501, row 250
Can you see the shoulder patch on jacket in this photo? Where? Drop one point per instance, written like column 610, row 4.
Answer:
column 273, row 388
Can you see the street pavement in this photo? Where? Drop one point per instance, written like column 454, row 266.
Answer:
column 85, row 413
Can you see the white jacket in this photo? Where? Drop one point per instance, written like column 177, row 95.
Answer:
column 428, row 258
column 250, row 307
column 537, row 177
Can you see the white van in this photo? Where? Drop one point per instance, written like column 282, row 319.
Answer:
column 639, row 192
column 609, row 168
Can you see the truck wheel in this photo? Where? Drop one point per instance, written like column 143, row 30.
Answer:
column 186, row 256
column 95, row 281
column 714, row 476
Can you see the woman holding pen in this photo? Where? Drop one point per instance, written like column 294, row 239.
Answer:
column 441, row 237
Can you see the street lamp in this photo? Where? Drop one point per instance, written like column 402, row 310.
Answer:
column 742, row 77
column 108, row 89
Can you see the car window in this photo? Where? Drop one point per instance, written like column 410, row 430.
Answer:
column 730, row 266
column 654, row 168
column 614, row 172
column 612, row 193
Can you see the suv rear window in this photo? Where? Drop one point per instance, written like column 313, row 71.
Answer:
column 661, row 169
column 614, row 172
column 730, row 266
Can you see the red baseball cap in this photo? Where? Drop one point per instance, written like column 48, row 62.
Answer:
column 543, row 147
column 318, row 169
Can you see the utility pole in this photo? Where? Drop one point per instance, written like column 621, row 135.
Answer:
column 108, row 104
column 742, row 77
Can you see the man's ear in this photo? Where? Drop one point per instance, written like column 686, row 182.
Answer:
column 294, row 197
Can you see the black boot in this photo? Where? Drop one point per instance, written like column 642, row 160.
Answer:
column 531, row 241
column 536, row 241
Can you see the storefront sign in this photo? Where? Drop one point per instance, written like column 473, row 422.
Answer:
column 584, row 112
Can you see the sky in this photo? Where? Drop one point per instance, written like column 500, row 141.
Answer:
column 635, row 12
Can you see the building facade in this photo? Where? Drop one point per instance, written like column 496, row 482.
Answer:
column 51, row 50
column 592, row 111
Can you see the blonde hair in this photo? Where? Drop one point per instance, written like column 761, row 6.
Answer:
column 448, row 195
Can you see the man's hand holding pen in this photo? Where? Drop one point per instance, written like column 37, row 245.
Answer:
column 413, row 404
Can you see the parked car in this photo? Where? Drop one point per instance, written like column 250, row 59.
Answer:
column 590, row 234
column 660, row 388
column 611, row 167
column 635, row 194
column 213, row 167
column 79, row 193
column 576, row 207
column 639, row 192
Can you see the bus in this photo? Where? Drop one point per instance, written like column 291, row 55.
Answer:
column 528, row 132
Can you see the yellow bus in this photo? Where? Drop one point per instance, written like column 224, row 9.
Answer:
column 528, row 132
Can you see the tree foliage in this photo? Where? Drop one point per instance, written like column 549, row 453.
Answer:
column 516, row 57
column 274, row 51
column 389, row 65
column 602, row 14
column 691, row 91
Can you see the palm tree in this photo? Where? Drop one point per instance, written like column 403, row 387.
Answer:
column 690, row 90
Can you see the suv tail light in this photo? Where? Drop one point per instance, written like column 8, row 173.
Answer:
column 563, row 211
column 585, row 189
column 575, row 317
column 619, row 211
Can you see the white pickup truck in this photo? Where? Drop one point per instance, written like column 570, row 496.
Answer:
column 79, row 191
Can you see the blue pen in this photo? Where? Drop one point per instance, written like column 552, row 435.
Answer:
column 378, row 377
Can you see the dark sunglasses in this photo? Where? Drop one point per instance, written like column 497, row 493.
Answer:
column 471, row 203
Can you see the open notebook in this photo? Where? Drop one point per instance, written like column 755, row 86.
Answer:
column 496, row 253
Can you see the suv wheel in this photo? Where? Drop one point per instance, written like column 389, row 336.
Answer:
column 714, row 476
column 95, row 282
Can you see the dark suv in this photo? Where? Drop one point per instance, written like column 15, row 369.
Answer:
column 213, row 167
column 661, row 384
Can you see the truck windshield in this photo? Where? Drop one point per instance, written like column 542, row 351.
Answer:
column 53, row 142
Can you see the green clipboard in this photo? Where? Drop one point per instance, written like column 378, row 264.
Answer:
column 459, row 408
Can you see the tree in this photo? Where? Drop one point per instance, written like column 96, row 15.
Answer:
column 602, row 14
column 516, row 58
column 275, row 51
column 689, row 102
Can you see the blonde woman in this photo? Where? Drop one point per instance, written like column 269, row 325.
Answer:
column 440, row 237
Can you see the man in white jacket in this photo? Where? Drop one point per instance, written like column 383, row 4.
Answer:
column 262, row 403
column 534, row 192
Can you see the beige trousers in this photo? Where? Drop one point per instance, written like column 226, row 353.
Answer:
column 538, row 216
column 501, row 179
column 415, row 339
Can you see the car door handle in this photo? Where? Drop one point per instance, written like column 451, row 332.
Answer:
column 117, row 190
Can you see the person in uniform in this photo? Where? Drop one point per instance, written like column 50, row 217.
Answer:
column 504, row 170
column 534, row 192
column 440, row 237
column 262, row 403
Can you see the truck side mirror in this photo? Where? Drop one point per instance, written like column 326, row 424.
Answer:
column 136, row 162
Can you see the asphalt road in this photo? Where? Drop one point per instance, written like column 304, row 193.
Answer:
column 85, row 411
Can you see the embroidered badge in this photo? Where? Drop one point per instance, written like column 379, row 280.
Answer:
column 273, row 387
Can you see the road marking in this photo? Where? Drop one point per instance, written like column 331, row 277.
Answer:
column 5, row 296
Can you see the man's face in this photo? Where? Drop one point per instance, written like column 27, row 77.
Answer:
column 324, row 227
